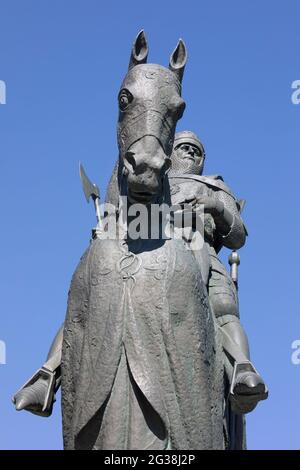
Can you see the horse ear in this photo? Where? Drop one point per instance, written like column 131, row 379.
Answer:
column 139, row 52
column 178, row 59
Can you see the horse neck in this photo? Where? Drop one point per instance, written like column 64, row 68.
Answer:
column 149, row 211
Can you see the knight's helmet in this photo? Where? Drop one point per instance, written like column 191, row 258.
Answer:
column 180, row 166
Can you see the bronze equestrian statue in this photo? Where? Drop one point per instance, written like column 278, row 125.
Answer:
column 141, row 364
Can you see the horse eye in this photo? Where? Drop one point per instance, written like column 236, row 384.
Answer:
column 125, row 98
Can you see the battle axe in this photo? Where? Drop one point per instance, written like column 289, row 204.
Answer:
column 91, row 190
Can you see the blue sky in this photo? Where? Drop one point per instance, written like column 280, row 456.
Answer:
column 63, row 63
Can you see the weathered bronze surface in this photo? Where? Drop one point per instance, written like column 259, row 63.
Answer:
column 152, row 354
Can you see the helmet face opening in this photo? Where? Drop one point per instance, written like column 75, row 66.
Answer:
column 188, row 154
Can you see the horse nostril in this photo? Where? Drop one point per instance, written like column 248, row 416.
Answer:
column 135, row 163
column 129, row 162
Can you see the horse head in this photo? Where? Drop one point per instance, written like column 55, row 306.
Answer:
column 150, row 105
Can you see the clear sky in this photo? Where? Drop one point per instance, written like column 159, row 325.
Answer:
column 63, row 63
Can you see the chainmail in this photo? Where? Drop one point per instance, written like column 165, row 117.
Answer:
column 182, row 166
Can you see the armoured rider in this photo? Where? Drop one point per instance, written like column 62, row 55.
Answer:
column 223, row 227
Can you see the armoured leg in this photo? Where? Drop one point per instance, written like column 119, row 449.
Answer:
column 247, row 386
column 55, row 348
column 38, row 394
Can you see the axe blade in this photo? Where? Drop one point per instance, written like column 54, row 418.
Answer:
column 89, row 189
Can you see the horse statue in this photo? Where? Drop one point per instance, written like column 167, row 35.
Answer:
column 139, row 355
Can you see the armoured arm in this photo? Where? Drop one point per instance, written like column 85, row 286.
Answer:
column 223, row 218
column 223, row 208
column 228, row 221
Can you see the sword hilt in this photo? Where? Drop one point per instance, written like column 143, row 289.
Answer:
column 234, row 258
column 234, row 261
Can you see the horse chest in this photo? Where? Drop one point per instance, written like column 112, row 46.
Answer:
column 149, row 270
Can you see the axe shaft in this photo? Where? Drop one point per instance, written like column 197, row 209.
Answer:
column 98, row 212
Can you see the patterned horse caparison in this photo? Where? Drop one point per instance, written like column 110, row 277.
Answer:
column 141, row 357
column 141, row 360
